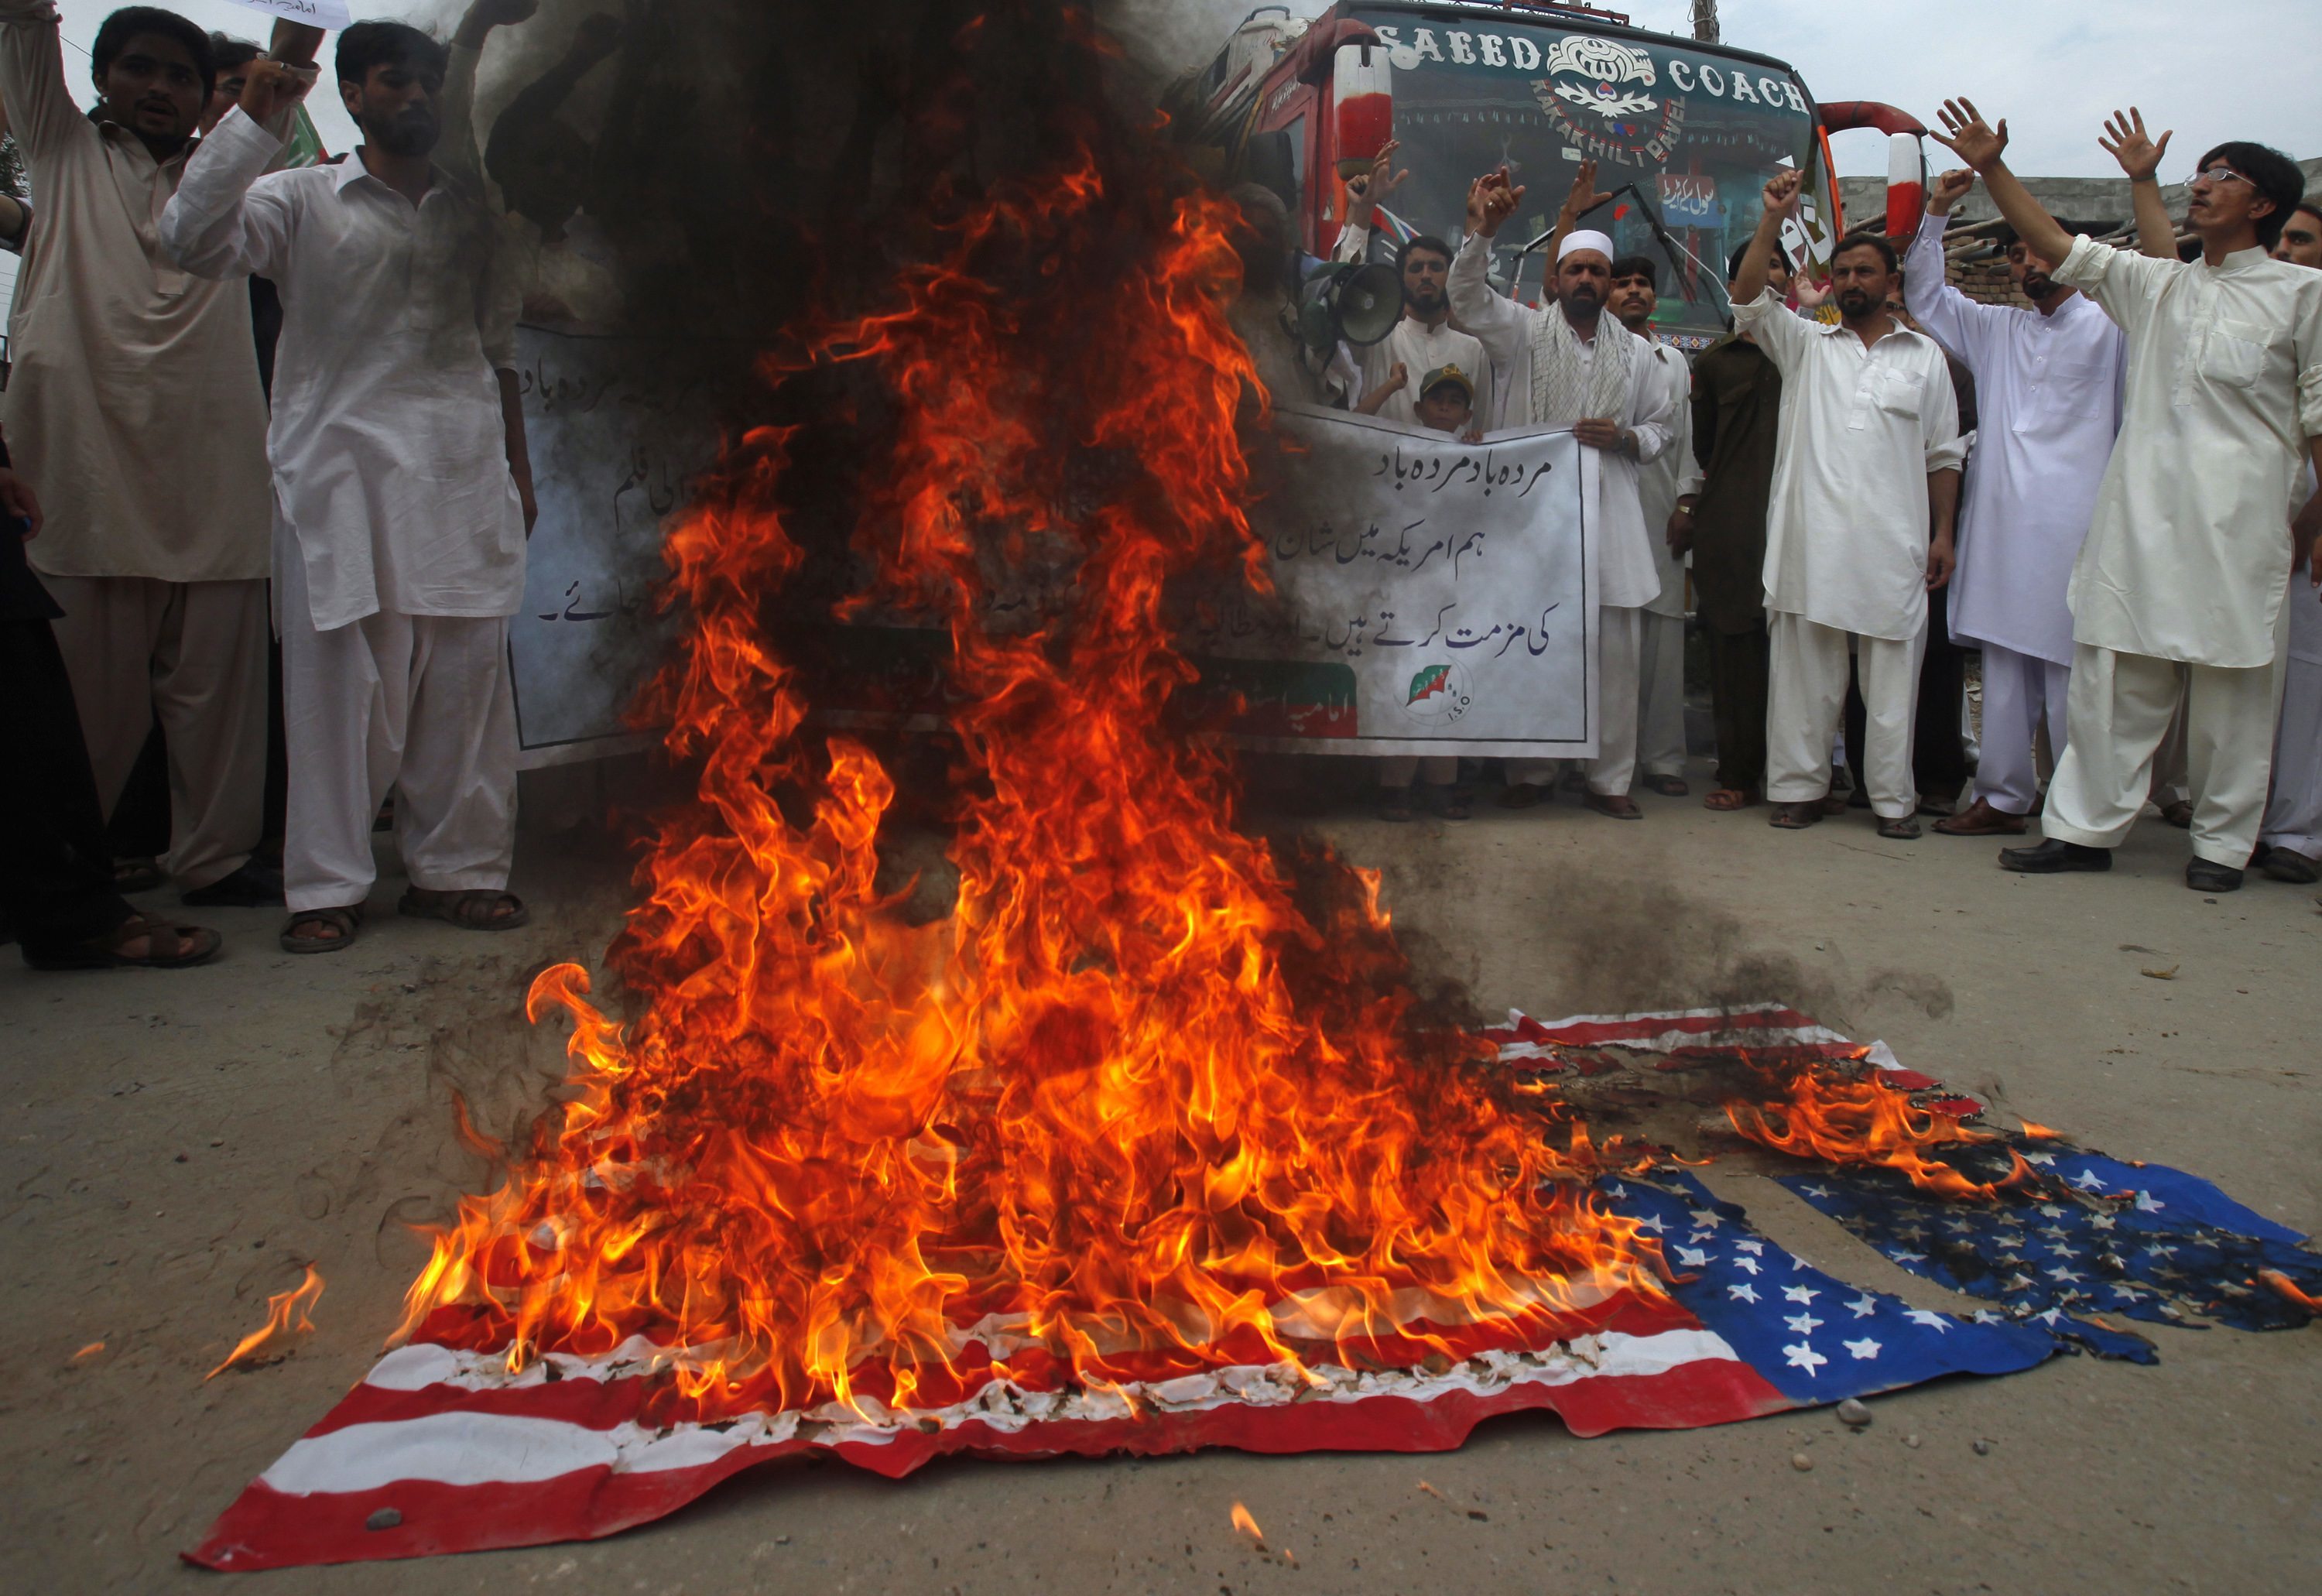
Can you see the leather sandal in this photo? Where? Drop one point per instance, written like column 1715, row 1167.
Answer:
column 344, row 924
column 477, row 909
column 1901, row 828
column 1796, row 816
column 1727, row 800
column 167, row 947
column 1620, row 805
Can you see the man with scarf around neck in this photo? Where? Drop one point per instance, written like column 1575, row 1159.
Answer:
column 1571, row 365
column 1859, row 524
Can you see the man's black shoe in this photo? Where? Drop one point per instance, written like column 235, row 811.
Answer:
column 2202, row 875
column 252, row 885
column 2054, row 857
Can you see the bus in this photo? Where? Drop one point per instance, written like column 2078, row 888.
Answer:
column 1684, row 133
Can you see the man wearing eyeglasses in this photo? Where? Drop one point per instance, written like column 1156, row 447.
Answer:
column 2289, row 842
column 2178, row 590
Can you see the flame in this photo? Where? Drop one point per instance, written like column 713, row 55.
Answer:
column 1154, row 1098
column 2038, row 1132
column 1844, row 1121
column 2288, row 1290
column 1247, row 1525
column 88, row 1352
column 288, row 1313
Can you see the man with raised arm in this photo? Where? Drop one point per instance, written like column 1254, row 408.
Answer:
column 1424, row 340
column 2290, row 840
column 1571, row 365
column 1721, row 521
column 2178, row 588
column 401, row 485
column 134, row 406
column 1859, row 526
column 2048, row 380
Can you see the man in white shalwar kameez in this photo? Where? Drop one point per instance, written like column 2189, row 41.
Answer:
column 401, row 486
column 1660, row 653
column 1859, row 523
column 2048, row 384
column 2178, row 591
column 2289, row 841
column 1572, row 364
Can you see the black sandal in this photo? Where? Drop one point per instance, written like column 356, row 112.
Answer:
column 167, row 947
column 469, row 910
column 346, row 923
column 1901, row 829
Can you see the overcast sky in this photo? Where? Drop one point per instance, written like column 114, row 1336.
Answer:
column 2225, row 68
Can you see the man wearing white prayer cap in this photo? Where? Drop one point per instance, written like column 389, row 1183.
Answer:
column 1572, row 364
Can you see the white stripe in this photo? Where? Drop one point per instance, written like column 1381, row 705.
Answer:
column 475, row 1449
column 499, row 1449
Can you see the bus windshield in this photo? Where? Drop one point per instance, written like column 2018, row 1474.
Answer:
column 1688, row 133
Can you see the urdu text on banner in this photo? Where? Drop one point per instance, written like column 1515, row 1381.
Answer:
column 1432, row 597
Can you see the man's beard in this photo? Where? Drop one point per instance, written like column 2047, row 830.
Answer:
column 1581, row 301
column 1425, row 302
column 411, row 133
column 2038, row 284
column 1856, row 303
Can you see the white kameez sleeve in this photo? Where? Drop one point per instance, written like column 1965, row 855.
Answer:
column 1950, row 318
column 1782, row 336
column 1652, row 409
column 1946, row 450
column 216, row 225
column 2125, row 284
column 2306, row 350
column 1353, row 247
column 1495, row 321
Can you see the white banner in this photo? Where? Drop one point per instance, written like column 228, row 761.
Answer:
column 1436, row 596
column 616, row 437
column 332, row 15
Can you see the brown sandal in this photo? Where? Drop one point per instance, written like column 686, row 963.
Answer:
column 479, row 909
column 1795, row 817
column 1665, row 786
column 1980, row 819
column 167, row 947
column 1903, row 829
column 344, row 925
column 1727, row 800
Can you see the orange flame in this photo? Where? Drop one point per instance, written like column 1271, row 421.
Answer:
column 2288, row 1290
column 1131, row 1111
column 1862, row 1122
column 288, row 1314
column 1244, row 1522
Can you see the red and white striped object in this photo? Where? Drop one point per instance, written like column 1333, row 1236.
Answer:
column 440, row 1449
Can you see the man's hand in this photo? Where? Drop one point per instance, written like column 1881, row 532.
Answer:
column 1599, row 431
column 2125, row 141
column 485, row 15
column 270, row 89
column 1680, row 531
column 1490, row 202
column 1950, row 188
column 1584, row 196
column 1397, row 375
column 1967, row 135
column 1782, row 189
column 18, row 503
column 1941, row 560
column 1367, row 191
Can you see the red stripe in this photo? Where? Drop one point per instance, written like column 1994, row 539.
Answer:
column 267, row 1528
column 653, row 1401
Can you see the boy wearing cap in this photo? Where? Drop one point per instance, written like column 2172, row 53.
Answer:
column 1445, row 403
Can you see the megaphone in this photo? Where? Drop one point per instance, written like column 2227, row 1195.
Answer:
column 1357, row 304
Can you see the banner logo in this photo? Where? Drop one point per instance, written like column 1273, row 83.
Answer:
column 1596, row 89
